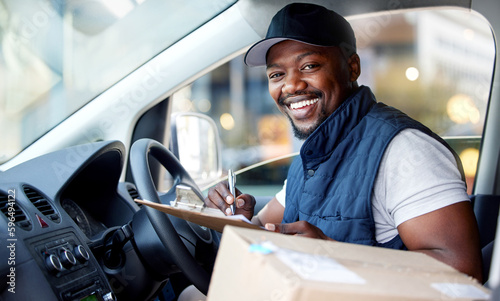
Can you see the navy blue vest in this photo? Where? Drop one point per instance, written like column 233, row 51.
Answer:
column 330, row 184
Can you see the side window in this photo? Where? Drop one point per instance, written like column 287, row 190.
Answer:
column 436, row 66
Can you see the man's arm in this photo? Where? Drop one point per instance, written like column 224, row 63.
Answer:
column 271, row 213
column 449, row 234
column 271, row 216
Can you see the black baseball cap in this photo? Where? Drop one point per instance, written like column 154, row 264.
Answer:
column 307, row 23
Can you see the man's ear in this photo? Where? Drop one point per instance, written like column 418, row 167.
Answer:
column 354, row 67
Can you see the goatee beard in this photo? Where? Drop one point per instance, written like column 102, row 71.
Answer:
column 305, row 133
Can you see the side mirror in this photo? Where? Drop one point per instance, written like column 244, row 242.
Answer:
column 195, row 142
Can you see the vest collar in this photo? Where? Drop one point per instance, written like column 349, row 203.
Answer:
column 338, row 125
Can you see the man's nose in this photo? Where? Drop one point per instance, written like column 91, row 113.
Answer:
column 293, row 83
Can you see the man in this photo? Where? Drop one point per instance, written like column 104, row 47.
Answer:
column 366, row 173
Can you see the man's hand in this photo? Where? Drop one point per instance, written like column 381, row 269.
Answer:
column 220, row 197
column 300, row 228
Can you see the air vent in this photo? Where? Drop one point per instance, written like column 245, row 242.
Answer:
column 21, row 220
column 42, row 204
column 134, row 194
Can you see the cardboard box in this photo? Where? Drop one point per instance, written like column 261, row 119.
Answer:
column 261, row 265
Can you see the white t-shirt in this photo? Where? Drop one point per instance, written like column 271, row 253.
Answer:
column 417, row 175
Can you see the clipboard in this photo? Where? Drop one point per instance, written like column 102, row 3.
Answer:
column 189, row 207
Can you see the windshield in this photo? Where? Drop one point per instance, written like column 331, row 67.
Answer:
column 56, row 56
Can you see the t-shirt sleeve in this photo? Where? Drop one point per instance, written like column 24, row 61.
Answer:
column 281, row 195
column 419, row 175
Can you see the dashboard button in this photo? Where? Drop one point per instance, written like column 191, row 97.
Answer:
column 53, row 263
column 81, row 254
column 67, row 259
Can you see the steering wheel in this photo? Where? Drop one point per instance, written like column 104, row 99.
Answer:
column 139, row 163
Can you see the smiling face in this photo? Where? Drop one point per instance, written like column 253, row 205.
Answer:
column 308, row 83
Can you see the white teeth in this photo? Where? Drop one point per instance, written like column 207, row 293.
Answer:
column 301, row 104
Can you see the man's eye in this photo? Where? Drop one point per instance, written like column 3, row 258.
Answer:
column 274, row 75
column 309, row 66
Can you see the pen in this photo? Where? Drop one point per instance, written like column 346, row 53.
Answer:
column 231, row 179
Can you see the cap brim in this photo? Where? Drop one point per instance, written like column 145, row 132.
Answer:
column 256, row 55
